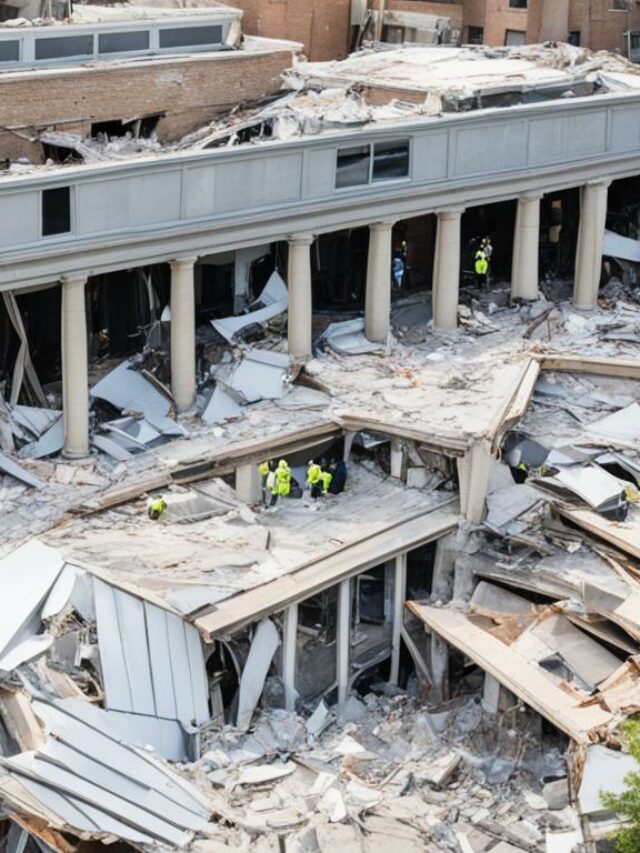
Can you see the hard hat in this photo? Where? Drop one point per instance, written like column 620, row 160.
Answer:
column 311, row 462
column 282, row 464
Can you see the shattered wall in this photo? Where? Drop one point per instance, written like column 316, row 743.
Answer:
column 186, row 92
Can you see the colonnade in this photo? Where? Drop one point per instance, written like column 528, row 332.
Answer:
column 445, row 295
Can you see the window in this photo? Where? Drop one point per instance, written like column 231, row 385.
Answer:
column 383, row 161
column 518, row 4
column 56, row 211
column 574, row 38
column 191, row 37
column 121, row 42
column 9, row 51
column 618, row 5
column 353, row 166
column 475, row 35
column 390, row 160
column 64, row 47
column 515, row 38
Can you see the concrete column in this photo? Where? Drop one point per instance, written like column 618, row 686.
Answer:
column 75, row 374
column 343, row 644
column 289, row 649
column 397, row 458
column 446, row 270
column 248, row 483
column 526, row 242
column 377, row 309
column 473, row 478
column 399, row 595
column 443, row 568
column 300, row 298
column 439, row 669
column 183, row 333
column 593, row 213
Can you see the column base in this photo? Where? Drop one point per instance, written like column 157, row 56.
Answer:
column 74, row 454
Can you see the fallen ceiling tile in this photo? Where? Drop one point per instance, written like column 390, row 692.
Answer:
column 128, row 390
column 8, row 466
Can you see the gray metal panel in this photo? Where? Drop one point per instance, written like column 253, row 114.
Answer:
column 506, row 142
column 26, row 576
column 70, row 784
column 199, row 191
column 239, row 185
column 180, row 669
column 429, row 156
column 625, row 129
column 319, row 172
column 136, row 653
column 20, row 217
column 567, row 137
column 199, row 685
column 60, row 805
column 283, row 178
column 91, row 730
column 148, row 666
column 112, row 659
column 160, row 659
column 154, row 198
column 110, row 215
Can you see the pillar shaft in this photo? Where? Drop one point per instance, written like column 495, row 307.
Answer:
column 183, row 333
column 289, row 651
column 300, row 298
column 593, row 213
column 526, row 241
column 343, row 644
column 75, row 374
column 446, row 270
column 378, row 294
column 248, row 483
column 399, row 595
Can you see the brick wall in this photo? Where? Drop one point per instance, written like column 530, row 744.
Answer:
column 321, row 25
column 600, row 27
column 189, row 92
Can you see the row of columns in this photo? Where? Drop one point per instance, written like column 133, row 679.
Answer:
column 446, row 279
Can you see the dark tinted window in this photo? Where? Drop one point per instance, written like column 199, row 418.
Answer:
column 64, row 46
column 121, row 42
column 353, row 166
column 390, row 160
column 190, row 36
column 56, row 211
column 9, row 51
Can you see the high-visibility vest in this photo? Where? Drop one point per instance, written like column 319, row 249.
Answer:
column 326, row 478
column 313, row 474
column 264, row 469
column 283, row 481
column 482, row 265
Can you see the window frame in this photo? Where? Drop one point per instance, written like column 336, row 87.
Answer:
column 58, row 234
column 371, row 181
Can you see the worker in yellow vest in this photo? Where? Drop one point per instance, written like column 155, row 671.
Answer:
column 314, row 472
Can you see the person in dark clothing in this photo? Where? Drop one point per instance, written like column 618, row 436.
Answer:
column 339, row 478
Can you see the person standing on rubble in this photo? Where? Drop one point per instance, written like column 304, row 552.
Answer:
column 283, row 479
column 326, row 477
column 314, row 472
column 267, row 475
column 481, row 267
column 339, row 476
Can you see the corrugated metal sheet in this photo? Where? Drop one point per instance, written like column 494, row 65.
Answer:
column 152, row 661
column 95, row 783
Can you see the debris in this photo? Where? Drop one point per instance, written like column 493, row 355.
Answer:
column 8, row 466
column 348, row 338
column 273, row 300
column 128, row 390
column 263, row 648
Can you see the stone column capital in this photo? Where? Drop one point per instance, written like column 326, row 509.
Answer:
column 531, row 196
column 301, row 239
column 450, row 212
column 184, row 262
column 599, row 183
column 74, row 279
column 383, row 225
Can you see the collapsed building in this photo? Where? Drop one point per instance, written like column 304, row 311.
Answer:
column 444, row 653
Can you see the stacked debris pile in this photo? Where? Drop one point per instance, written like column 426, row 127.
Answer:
column 388, row 766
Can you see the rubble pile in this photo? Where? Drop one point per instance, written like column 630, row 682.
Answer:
column 389, row 766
